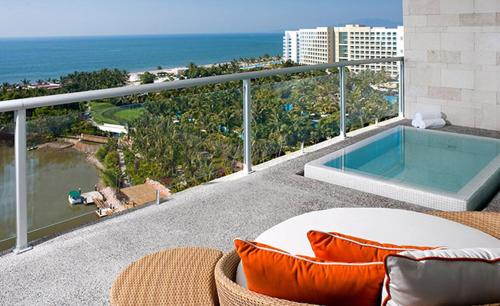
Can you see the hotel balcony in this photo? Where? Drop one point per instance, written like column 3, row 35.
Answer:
column 79, row 265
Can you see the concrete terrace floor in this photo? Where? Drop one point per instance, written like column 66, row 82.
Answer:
column 78, row 268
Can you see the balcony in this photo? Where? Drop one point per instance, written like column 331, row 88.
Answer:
column 80, row 265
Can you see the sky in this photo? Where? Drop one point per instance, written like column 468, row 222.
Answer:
column 37, row 18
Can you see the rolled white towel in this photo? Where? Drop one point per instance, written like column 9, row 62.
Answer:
column 428, row 115
column 416, row 123
column 429, row 123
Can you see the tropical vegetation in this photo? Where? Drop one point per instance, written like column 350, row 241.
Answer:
column 70, row 114
column 189, row 136
column 186, row 137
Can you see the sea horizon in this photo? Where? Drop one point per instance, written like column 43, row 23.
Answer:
column 41, row 58
column 134, row 35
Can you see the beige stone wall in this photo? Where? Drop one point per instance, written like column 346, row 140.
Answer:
column 452, row 54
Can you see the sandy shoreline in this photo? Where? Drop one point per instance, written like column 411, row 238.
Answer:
column 58, row 145
column 65, row 143
column 134, row 77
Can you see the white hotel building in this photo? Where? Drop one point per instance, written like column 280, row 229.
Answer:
column 291, row 46
column 351, row 42
column 309, row 46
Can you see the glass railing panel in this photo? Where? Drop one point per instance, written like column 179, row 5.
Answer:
column 128, row 152
column 171, row 140
column 293, row 111
column 372, row 94
column 7, row 182
column 58, row 162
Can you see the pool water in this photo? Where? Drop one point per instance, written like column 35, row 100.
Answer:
column 429, row 160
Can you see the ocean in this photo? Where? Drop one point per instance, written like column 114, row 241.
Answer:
column 42, row 58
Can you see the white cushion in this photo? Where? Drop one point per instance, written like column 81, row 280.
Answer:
column 442, row 277
column 394, row 226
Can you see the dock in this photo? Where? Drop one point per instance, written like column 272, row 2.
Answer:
column 91, row 197
column 103, row 209
column 104, row 212
column 139, row 194
column 94, row 138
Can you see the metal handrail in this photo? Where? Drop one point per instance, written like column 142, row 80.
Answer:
column 20, row 106
column 34, row 102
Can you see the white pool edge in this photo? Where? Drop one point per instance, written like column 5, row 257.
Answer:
column 467, row 198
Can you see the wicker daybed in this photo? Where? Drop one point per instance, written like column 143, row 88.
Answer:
column 232, row 294
column 487, row 222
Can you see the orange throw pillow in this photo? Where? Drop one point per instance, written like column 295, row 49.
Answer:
column 276, row 273
column 340, row 247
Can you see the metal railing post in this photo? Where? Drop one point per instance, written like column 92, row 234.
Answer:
column 342, row 101
column 401, row 98
column 21, row 188
column 247, row 126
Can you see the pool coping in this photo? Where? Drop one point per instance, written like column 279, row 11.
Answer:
column 469, row 197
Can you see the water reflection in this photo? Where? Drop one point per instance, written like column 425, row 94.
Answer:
column 51, row 174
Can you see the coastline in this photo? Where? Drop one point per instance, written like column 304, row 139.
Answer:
column 89, row 150
column 174, row 73
column 134, row 77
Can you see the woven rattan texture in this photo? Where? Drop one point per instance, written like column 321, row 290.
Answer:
column 183, row 276
column 488, row 222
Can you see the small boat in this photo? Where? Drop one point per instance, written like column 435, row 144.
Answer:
column 75, row 197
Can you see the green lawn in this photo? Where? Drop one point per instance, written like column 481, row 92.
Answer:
column 108, row 113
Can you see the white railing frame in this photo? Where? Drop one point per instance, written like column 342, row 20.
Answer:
column 19, row 107
column 401, row 98
column 247, row 126
column 21, row 185
column 342, row 81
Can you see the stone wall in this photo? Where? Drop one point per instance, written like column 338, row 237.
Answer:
column 452, row 53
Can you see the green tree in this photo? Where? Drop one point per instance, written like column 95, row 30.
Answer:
column 147, row 78
column 365, row 99
column 82, row 81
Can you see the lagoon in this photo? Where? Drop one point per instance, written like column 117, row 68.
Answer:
column 51, row 174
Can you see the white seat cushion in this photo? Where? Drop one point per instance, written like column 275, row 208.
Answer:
column 442, row 277
column 393, row 226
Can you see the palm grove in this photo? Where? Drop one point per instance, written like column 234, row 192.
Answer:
column 189, row 136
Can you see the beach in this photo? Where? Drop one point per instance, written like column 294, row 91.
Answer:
column 171, row 74
column 163, row 75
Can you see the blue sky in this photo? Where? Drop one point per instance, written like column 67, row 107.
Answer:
column 129, row 17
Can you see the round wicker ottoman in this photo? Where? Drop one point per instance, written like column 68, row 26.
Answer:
column 183, row 276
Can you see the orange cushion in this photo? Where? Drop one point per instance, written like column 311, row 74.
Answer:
column 340, row 247
column 276, row 273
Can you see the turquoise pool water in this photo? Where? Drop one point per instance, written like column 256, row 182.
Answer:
column 426, row 159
